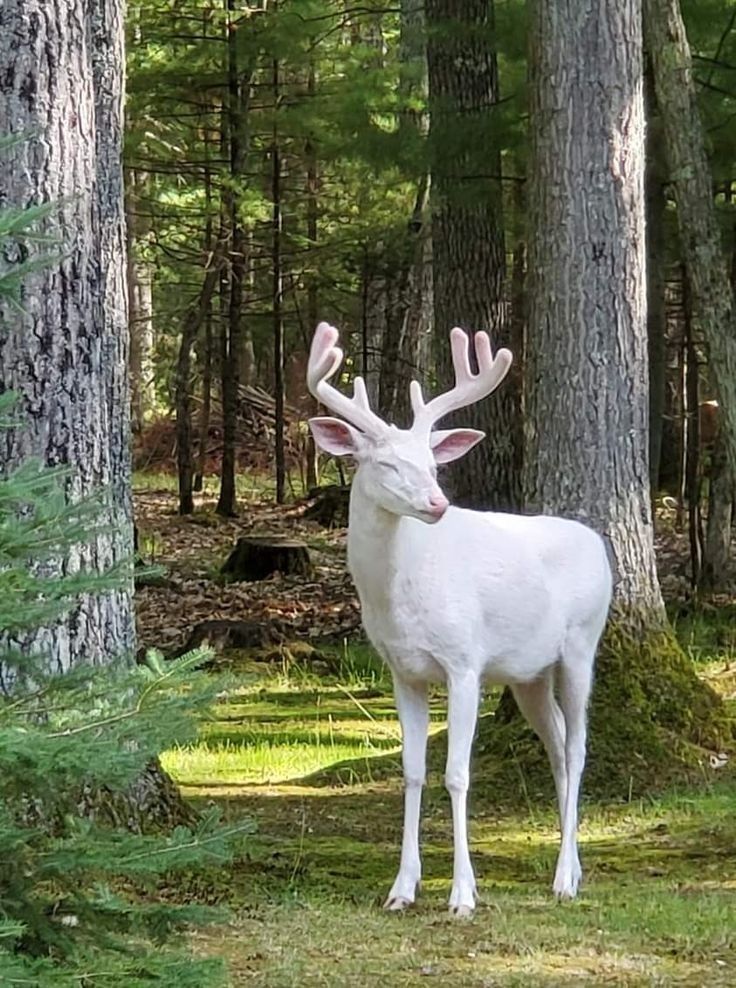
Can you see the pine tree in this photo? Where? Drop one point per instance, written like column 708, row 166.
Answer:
column 73, row 743
column 70, row 745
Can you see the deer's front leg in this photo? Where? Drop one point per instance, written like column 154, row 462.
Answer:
column 413, row 710
column 462, row 715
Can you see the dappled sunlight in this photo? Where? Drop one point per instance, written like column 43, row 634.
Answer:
column 319, row 773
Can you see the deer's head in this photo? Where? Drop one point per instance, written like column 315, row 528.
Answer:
column 397, row 468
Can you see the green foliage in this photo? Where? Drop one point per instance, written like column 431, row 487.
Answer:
column 79, row 741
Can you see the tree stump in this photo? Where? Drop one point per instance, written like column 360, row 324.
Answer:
column 224, row 634
column 330, row 506
column 257, row 557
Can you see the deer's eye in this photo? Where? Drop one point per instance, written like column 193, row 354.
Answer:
column 388, row 466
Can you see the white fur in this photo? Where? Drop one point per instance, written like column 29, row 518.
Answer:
column 461, row 597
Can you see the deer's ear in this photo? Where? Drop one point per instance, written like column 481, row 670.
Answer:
column 335, row 436
column 450, row 444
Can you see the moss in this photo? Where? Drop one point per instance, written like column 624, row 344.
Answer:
column 653, row 722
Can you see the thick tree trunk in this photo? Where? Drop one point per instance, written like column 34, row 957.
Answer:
column 700, row 238
column 588, row 384
column 467, row 231
column 587, row 387
column 66, row 353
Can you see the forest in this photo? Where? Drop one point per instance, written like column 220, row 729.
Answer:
column 216, row 679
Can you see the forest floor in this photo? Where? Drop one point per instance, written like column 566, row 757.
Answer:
column 312, row 758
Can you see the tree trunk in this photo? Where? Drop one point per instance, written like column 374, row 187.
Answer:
column 66, row 352
column 205, row 347
column 700, row 237
column 238, row 100
column 717, row 547
column 407, row 341
column 184, row 453
column 656, row 205
column 587, row 398
column 312, row 456
column 277, row 297
column 467, row 231
column 140, row 303
column 692, row 437
column 587, row 404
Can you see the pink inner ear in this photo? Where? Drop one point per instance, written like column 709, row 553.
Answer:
column 451, row 444
column 333, row 436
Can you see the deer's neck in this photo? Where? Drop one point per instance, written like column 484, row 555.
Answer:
column 374, row 547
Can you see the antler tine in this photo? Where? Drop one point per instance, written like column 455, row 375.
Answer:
column 469, row 387
column 325, row 358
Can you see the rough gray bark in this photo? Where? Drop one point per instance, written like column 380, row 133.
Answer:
column 61, row 62
column 467, row 231
column 714, row 310
column 587, row 402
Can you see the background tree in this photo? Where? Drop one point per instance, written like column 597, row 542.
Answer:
column 587, row 406
column 467, row 228
column 701, row 244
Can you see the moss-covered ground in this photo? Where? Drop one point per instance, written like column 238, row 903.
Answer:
column 314, row 762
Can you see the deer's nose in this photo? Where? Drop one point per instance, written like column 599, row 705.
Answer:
column 438, row 505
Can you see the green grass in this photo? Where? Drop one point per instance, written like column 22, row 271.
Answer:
column 316, row 765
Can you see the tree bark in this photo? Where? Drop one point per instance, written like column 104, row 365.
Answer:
column 656, row 205
column 700, row 237
column 66, row 353
column 587, row 373
column 184, row 452
column 587, row 386
column 277, row 295
column 238, row 100
column 717, row 547
column 407, row 340
column 140, row 303
column 467, row 231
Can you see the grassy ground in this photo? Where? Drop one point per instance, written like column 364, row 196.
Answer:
column 315, row 763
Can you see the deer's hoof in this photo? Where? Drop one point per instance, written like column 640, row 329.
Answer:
column 397, row 903
column 462, row 912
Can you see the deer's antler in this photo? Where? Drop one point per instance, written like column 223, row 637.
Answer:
column 469, row 387
column 325, row 358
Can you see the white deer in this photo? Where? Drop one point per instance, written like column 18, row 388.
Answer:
column 457, row 596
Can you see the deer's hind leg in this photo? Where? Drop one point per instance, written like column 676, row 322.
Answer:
column 575, row 679
column 536, row 700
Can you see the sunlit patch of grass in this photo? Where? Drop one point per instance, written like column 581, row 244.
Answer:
column 316, row 764
column 249, row 762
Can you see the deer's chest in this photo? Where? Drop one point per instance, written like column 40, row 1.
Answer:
column 411, row 640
